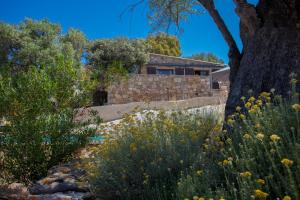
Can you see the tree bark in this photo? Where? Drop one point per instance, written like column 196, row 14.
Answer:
column 270, row 33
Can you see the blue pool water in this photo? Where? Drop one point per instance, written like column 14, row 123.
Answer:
column 97, row 139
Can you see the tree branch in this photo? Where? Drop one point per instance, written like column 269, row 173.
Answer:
column 234, row 53
column 131, row 7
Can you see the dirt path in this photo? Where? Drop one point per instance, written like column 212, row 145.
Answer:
column 116, row 111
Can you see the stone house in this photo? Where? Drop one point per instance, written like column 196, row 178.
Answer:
column 166, row 78
column 221, row 77
column 171, row 65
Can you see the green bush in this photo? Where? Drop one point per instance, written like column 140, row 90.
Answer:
column 38, row 119
column 144, row 159
column 266, row 151
column 262, row 153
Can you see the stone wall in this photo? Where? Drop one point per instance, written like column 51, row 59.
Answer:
column 144, row 88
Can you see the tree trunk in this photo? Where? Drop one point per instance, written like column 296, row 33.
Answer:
column 271, row 49
column 234, row 52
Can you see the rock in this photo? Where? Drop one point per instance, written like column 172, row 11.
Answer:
column 88, row 196
column 56, row 187
column 64, row 182
column 51, row 197
column 65, row 169
column 14, row 191
column 61, row 196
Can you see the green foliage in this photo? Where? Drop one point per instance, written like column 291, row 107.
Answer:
column 112, row 60
column 38, row 43
column 131, row 53
column 262, row 153
column 78, row 41
column 37, row 110
column 162, row 43
column 163, row 13
column 267, row 145
column 209, row 57
column 113, row 73
column 144, row 159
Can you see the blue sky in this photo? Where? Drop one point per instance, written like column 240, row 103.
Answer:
column 101, row 19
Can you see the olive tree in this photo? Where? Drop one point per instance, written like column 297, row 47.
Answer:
column 270, row 34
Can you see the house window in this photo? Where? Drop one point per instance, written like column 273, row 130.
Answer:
column 165, row 71
column 202, row 72
column 151, row 70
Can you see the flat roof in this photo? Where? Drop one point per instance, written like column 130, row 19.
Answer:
column 195, row 63
column 221, row 70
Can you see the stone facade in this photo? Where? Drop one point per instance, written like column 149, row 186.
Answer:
column 144, row 88
column 222, row 77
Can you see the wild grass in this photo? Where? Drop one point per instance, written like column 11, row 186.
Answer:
column 188, row 156
column 143, row 159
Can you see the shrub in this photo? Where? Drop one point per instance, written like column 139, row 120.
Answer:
column 37, row 109
column 143, row 159
column 266, row 150
column 262, row 154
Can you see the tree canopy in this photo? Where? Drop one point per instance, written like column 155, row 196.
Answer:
column 162, row 43
column 38, row 43
column 209, row 57
column 269, row 31
column 132, row 53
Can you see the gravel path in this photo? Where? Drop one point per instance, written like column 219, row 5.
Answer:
column 116, row 111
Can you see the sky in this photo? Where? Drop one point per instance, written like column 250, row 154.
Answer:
column 100, row 19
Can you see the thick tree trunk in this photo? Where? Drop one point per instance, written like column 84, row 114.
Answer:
column 271, row 49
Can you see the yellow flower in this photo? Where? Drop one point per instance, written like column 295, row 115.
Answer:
column 255, row 107
column 259, row 102
column 251, row 99
column 248, row 105
column 225, row 162
column 229, row 141
column 243, row 98
column 222, row 198
column 186, row 199
column 296, row 107
column 265, row 94
column 133, row 147
column 242, row 116
column 238, row 108
column 252, row 111
column 247, row 136
column 286, row 162
column 260, row 194
column 218, row 127
column 274, row 138
column 195, row 197
column 260, row 181
column 230, row 121
column 293, row 81
column 287, row 197
column 258, row 126
column 199, row 172
column 201, row 198
column 245, row 174
column 205, row 146
column 260, row 136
